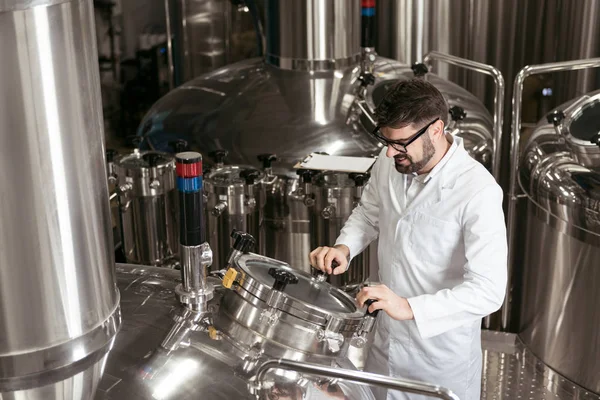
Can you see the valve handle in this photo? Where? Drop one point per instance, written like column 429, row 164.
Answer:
column 218, row 155
column 555, row 117
column 243, row 241
column 374, row 313
column 152, row 159
column 179, row 145
column 249, row 175
column 282, row 278
column 359, row 178
column 419, row 69
column 457, row 113
column 267, row 159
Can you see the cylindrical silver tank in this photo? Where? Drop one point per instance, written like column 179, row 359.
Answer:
column 336, row 194
column 59, row 309
column 560, row 175
column 166, row 351
column 148, row 207
column 292, row 109
column 233, row 203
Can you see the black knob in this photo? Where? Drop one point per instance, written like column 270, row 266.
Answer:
column 457, row 113
column 359, row 178
column 134, row 141
column 282, row 278
column 555, row 117
column 243, row 241
column 267, row 159
column 306, row 175
column 596, row 139
column 366, row 79
column 249, row 175
column 219, row 156
column 419, row 69
column 334, row 265
column 179, row 145
column 368, row 303
column 152, row 159
column 110, row 155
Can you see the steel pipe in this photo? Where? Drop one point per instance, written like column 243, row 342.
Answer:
column 402, row 385
column 499, row 89
column 513, row 194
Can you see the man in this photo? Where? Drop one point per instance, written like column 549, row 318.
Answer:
column 442, row 246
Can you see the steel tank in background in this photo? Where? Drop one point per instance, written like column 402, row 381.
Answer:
column 335, row 195
column 233, row 202
column 315, row 91
column 145, row 185
column 557, row 231
column 59, row 310
column 209, row 34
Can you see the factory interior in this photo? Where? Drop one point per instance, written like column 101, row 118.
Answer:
column 180, row 159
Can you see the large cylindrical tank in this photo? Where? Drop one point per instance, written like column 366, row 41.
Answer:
column 59, row 304
column 148, row 207
column 209, row 34
column 560, row 175
column 302, row 98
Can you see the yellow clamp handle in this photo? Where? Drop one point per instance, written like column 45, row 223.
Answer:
column 229, row 277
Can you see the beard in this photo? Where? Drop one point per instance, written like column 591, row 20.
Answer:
column 409, row 165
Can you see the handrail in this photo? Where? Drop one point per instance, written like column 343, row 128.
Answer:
column 517, row 102
column 498, row 97
column 403, row 385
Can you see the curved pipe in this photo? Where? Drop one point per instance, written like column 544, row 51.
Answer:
column 402, row 385
column 499, row 89
column 513, row 194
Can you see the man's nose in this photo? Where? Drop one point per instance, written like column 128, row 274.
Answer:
column 391, row 152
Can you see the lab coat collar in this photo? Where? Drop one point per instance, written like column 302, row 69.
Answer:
column 440, row 181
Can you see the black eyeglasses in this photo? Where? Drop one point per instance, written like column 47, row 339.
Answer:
column 397, row 145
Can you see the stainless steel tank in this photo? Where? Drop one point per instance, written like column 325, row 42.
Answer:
column 555, row 231
column 59, row 310
column 233, row 202
column 145, row 185
column 253, row 342
column 335, row 196
column 310, row 93
column 209, row 34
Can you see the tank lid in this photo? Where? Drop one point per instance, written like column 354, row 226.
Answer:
column 145, row 160
column 303, row 295
column 232, row 175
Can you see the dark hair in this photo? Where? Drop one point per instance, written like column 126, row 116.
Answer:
column 412, row 101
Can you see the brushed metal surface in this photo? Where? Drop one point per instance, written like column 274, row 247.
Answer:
column 59, row 305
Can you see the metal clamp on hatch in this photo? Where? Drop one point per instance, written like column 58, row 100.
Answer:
column 243, row 242
column 275, row 299
column 359, row 339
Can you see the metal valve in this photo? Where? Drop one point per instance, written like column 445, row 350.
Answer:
column 250, row 176
column 219, row 208
column 179, row 145
column 457, row 113
column 555, row 117
column 306, row 176
column 110, row 166
column 152, row 159
column 242, row 243
column 360, row 339
column 219, row 157
column 419, row 69
column 321, row 276
column 328, row 211
column 266, row 160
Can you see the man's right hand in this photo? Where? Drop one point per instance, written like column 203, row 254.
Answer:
column 322, row 257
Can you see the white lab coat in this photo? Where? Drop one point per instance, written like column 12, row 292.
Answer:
column 446, row 252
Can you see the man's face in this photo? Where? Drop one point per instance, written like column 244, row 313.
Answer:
column 417, row 154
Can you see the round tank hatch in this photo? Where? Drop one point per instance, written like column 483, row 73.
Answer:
column 146, row 159
column 586, row 124
column 306, row 290
column 231, row 175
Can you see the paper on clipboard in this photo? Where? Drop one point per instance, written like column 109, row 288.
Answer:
column 336, row 163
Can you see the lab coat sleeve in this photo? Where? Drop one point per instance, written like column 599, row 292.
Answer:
column 483, row 289
column 362, row 227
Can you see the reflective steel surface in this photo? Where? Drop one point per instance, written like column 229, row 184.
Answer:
column 312, row 34
column 512, row 371
column 561, row 244
column 206, row 364
column 59, row 305
column 148, row 207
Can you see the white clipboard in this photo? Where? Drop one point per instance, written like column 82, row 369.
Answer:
column 336, row 163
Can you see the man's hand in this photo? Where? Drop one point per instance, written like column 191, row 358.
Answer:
column 322, row 257
column 395, row 306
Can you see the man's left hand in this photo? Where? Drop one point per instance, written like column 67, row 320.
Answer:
column 395, row 306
